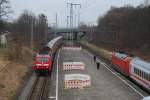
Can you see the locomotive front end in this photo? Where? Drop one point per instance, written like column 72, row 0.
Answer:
column 43, row 64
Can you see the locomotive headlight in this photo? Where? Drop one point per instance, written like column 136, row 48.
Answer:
column 45, row 64
column 38, row 64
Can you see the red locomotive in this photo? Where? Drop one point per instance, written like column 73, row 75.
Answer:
column 133, row 67
column 43, row 60
column 120, row 61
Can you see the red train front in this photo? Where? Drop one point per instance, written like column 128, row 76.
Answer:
column 42, row 63
column 44, row 59
column 121, row 62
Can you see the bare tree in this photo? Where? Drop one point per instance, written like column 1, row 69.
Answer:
column 125, row 27
column 4, row 9
column 4, row 13
column 42, row 26
column 23, row 26
column 32, row 29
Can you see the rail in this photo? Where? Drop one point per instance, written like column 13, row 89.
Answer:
column 38, row 89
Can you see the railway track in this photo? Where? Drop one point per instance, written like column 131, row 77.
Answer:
column 38, row 91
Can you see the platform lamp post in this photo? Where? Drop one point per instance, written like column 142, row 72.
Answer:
column 56, row 24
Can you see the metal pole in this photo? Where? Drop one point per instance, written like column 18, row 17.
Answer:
column 67, row 22
column 71, row 23
column 78, row 19
column 46, row 24
column 72, row 19
column 75, row 25
column 31, row 41
column 56, row 26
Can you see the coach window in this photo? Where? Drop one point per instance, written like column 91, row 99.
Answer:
column 136, row 71
column 146, row 76
column 139, row 72
column 142, row 74
column 149, row 77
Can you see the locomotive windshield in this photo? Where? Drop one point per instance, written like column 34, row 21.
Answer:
column 42, row 59
column 121, row 55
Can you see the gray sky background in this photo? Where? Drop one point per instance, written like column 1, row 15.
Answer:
column 90, row 11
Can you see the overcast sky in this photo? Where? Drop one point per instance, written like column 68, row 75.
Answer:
column 90, row 10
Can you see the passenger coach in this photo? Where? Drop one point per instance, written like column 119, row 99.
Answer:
column 140, row 72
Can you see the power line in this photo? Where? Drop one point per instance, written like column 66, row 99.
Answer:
column 72, row 6
column 89, row 4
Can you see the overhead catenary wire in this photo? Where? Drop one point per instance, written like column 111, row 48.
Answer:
column 89, row 4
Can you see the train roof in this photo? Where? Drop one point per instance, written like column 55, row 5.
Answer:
column 121, row 56
column 141, row 63
column 125, row 53
column 53, row 41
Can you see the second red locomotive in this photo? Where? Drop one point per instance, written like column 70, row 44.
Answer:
column 133, row 67
column 120, row 61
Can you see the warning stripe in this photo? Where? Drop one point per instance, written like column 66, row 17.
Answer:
column 73, row 66
column 72, row 84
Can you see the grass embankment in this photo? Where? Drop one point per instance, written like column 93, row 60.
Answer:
column 13, row 71
column 103, row 52
column 107, row 51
